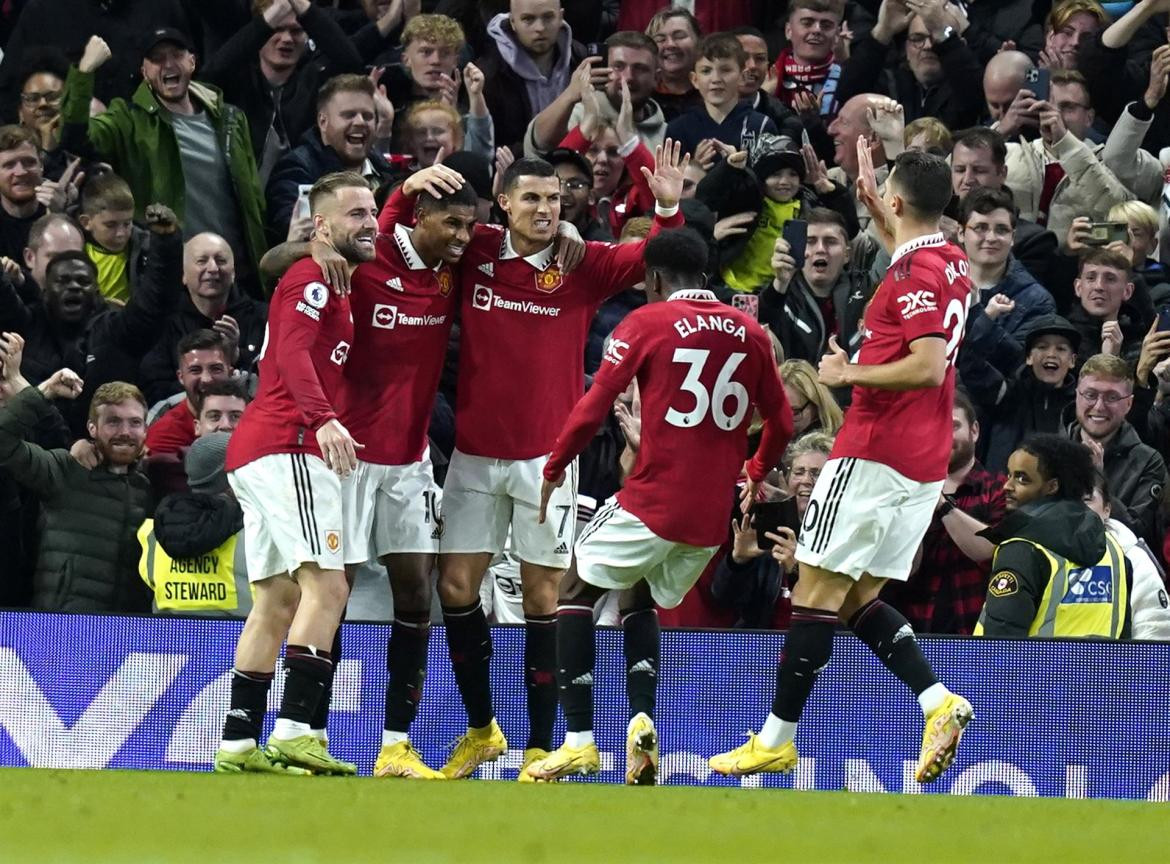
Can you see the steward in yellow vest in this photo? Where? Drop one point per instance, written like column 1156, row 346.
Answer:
column 1056, row 572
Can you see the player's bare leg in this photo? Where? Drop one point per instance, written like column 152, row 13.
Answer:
column 889, row 635
column 406, row 663
column 323, row 597
column 540, row 588
column 273, row 606
column 470, row 641
column 642, row 647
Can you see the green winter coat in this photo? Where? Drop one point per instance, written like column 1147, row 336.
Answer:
column 88, row 556
column 137, row 138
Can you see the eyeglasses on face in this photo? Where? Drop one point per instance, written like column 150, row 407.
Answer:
column 1091, row 396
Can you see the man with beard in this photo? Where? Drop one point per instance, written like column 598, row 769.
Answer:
column 343, row 140
column 175, row 141
column 946, row 592
column 212, row 301
column 87, row 560
column 21, row 176
column 203, row 357
column 72, row 326
column 285, row 462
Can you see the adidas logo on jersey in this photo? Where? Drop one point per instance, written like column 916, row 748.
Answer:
column 585, row 680
column 563, row 549
column 487, row 269
column 394, row 283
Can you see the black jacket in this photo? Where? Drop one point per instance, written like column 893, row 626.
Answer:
column 752, row 589
column 235, row 69
column 193, row 523
column 1068, row 528
column 1011, row 410
column 304, row 165
column 795, row 316
column 1137, row 476
column 1035, row 247
column 957, row 100
column 1132, row 332
column 110, row 346
column 157, row 374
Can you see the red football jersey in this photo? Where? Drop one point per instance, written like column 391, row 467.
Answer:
column 701, row 368
column 926, row 292
column 173, row 430
column 306, row 344
column 402, row 316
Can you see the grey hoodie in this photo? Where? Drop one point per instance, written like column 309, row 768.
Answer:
column 541, row 90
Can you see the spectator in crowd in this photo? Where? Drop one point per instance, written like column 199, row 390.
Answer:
column 203, row 357
column 48, row 236
column 722, row 117
column 851, row 123
column 945, row 593
column 813, row 407
column 979, row 160
column 941, row 74
column 1010, row 104
column 1148, row 602
column 757, row 583
column 1059, row 175
column 428, row 68
column 66, row 24
column 529, row 61
column 429, row 127
column 1142, row 221
column 71, row 326
column 1009, row 302
column 1106, row 321
column 42, row 84
column 768, row 185
column 676, row 32
column 576, row 176
column 1049, row 542
column 21, row 179
column 212, row 301
column 823, row 298
column 175, row 141
column 928, row 135
column 807, row 73
column 267, row 70
column 632, row 59
column 87, row 551
column 1069, row 24
column 193, row 558
column 712, row 15
column 1036, row 398
column 752, row 88
column 343, row 140
column 114, row 243
column 1135, row 471
column 992, row 26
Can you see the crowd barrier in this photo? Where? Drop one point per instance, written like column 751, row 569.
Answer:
column 1053, row 718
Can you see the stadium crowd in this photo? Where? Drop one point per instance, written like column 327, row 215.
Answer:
column 155, row 165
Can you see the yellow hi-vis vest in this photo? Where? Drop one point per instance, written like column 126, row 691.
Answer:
column 1082, row 601
column 202, row 584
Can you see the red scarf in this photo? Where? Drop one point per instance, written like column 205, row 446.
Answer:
column 795, row 76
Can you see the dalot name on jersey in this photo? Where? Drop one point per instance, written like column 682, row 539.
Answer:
column 690, row 326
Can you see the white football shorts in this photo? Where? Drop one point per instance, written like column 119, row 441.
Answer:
column 391, row 509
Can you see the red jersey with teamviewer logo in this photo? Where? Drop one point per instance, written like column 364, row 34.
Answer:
column 701, row 368
column 523, row 325
column 402, row 313
column 306, row 345
column 926, row 292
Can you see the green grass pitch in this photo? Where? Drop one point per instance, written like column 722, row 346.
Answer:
column 163, row 817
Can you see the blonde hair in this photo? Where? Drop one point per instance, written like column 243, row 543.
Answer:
column 802, row 377
column 439, row 29
column 1062, row 13
column 1135, row 213
column 817, row 441
column 936, row 132
column 635, row 229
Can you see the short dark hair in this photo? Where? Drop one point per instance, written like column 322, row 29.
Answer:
column 825, row 216
column 67, row 256
column 721, row 46
column 833, row 7
column 963, row 403
column 1106, row 258
column 982, row 136
column 464, row 196
column 924, row 182
column 679, row 254
column 202, row 340
column 350, row 82
column 984, row 200
column 13, row 136
column 234, row 387
column 748, row 30
column 631, row 39
column 43, row 60
column 529, row 166
column 1068, row 462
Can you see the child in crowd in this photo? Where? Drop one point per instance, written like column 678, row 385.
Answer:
column 112, row 241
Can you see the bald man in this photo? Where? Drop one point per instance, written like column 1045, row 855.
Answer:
column 50, row 235
column 212, row 301
column 1011, row 105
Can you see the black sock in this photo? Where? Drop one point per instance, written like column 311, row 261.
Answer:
column 406, row 665
column 641, row 643
column 321, row 715
column 540, row 678
column 249, row 701
column 307, row 672
column 470, row 641
column 891, row 638
column 807, row 649
column 575, row 659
